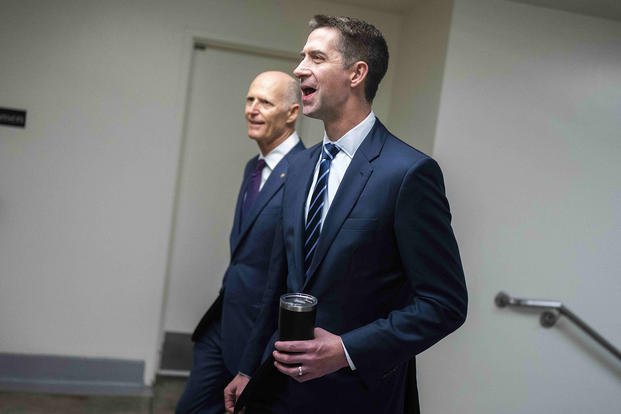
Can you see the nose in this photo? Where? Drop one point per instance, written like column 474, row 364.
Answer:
column 251, row 107
column 301, row 70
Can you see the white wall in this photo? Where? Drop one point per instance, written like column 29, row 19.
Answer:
column 419, row 74
column 528, row 138
column 87, row 189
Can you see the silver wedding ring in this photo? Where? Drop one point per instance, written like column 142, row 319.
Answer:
column 300, row 373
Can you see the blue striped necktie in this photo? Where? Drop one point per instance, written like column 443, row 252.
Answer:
column 315, row 208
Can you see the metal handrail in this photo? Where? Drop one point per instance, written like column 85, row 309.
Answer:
column 552, row 311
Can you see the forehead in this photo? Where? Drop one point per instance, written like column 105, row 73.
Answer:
column 323, row 39
column 265, row 87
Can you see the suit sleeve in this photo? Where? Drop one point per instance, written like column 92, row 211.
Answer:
column 431, row 263
column 266, row 322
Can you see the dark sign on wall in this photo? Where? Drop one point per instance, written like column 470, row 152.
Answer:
column 13, row 117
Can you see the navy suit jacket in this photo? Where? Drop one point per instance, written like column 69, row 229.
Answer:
column 386, row 273
column 239, row 300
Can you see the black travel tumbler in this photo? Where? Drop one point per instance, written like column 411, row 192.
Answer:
column 296, row 318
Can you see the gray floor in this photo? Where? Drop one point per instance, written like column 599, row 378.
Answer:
column 165, row 394
column 176, row 357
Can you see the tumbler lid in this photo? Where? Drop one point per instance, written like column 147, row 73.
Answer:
column 298, row 302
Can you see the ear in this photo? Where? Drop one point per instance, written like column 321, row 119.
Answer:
column 292, row 114
column 359, row 73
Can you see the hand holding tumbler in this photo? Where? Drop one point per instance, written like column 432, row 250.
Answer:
column 296, row 322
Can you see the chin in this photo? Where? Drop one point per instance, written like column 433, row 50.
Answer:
column 311, row 113
column 308, row 110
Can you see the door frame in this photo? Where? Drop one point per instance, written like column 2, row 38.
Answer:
column 190, row 40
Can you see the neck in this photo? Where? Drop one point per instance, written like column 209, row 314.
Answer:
column 267, row 147
column 348, row 118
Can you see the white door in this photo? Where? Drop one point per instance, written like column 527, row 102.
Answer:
column 216, row 148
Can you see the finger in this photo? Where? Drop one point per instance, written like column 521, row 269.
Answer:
column 318, row 332
column 289, row 358
column 229, row 400
column 229, row 405
column 285, row 369
column 289, row 370
column 293, row 372
column 293, row 346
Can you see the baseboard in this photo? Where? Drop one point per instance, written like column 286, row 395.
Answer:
column 72, row 375
column 173, row 373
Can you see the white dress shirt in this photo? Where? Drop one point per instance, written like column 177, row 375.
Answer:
column 273, row 158
column 348, row 145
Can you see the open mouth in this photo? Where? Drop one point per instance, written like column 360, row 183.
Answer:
column 307, row 90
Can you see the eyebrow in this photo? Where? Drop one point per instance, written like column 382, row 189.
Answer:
column 258, row 98
column 313, row 52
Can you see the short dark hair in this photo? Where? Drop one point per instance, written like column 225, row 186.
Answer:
column 359, row 41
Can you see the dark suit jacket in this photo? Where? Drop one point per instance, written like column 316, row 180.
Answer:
column 237, row 305
column 386, row 272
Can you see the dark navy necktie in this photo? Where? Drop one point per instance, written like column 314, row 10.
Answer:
column 252, row 191
column 315, row 208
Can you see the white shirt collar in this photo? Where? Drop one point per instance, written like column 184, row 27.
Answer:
column 278, row 153
column 350, row 142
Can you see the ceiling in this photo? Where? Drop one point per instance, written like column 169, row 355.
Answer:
column 383, row 5
column 607, row 9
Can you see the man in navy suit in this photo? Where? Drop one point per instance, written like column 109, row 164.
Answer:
column 272, row 107
column 366, row 229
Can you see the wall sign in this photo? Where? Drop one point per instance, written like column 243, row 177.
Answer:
column 13, row 117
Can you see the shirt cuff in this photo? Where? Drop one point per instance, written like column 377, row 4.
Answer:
column 349, row 361
column 244, row 375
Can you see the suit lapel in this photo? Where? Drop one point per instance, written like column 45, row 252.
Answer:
column 270, row 188
column 349, row 191
column 300, row 183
